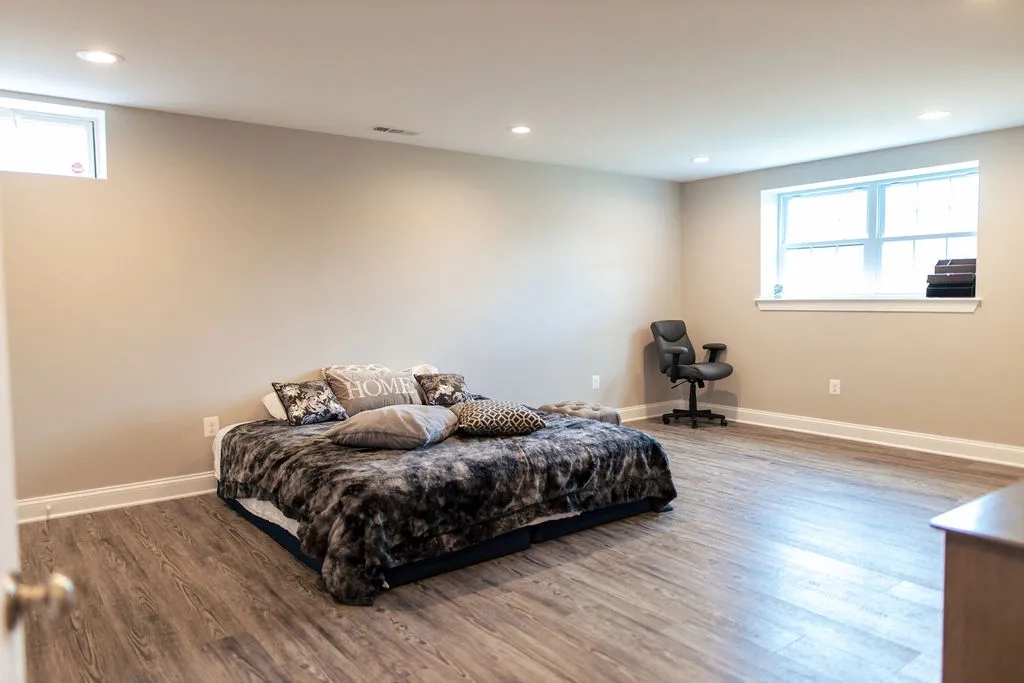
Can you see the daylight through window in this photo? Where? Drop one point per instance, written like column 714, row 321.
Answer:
column 878, row 236
column 38, row 137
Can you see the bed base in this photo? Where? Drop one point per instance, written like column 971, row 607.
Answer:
column 499, row 546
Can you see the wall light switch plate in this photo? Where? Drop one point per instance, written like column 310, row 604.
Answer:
column 595, row 381
column 211, row 425
column 833, row 386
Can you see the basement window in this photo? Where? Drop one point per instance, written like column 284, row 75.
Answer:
column 53, row 139
column 843, row 245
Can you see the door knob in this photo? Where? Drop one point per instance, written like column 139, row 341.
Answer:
column 57, row 594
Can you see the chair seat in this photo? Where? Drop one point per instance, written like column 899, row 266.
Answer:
column 709, row 372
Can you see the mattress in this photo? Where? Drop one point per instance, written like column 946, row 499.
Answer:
column 365, row 511
column 268, row 511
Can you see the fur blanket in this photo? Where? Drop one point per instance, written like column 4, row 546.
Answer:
column 363, row 510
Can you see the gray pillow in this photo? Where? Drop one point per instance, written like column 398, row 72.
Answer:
column 402, row 427
column 364, row 389
column 498, row 418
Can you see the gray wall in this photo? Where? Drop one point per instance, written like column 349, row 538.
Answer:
column 221, row 256
column 947, row 374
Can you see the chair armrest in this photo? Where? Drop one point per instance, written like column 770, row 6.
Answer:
column 676, row 351
column 715, row 349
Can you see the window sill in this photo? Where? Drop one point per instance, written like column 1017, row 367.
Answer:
column 903, row 305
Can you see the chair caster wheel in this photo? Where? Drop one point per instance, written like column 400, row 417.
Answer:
column 693, row 425
column 665, row 419
column 725, row 422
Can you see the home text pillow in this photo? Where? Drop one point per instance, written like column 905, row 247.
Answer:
column 274, row 406
column 307, row 403
column 360, row 390
column 443, row 389
column 402, row 427
column 498, row 418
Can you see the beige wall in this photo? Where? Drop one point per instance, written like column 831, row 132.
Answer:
column 221, row 256
column 946, row 374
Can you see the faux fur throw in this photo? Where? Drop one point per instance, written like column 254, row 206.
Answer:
column 362, row 510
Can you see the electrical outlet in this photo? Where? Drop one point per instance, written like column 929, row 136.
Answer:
column 833, row 386
column 595, row 382
column 211, row 425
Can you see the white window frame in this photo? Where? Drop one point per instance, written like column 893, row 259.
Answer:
column 49, row 111
column 774, row 244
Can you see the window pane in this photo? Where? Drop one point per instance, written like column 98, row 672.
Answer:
column 962, row 247
column 824, row 271
column 906, row 264
column 827, row 217
column 55, row 146
column 932, row 207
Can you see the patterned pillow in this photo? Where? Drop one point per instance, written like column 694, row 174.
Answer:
column 361, row 389
column 308, row 403
column 498, row 418
column 443, row 389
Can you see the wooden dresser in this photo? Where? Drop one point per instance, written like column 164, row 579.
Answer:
column 983, row 631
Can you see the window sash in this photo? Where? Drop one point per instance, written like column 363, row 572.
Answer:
column 89, row 125
column 875, row 233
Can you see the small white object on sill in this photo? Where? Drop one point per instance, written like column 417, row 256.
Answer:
column 868, row 304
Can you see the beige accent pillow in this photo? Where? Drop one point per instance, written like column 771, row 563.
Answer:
column 272, row 402
column 360, row 390
column 402, row 427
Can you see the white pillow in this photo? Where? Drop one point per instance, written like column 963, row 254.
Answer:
column 423, row 369
column 274, row 406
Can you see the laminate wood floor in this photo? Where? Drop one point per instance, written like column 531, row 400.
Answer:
column 787, row 558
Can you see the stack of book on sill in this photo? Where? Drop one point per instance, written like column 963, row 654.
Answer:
column 953, row 277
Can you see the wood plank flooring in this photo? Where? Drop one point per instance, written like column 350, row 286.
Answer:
column 787, row 558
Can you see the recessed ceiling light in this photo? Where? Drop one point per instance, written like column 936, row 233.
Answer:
column 99, row 57
column 934, row 115
column 702, row 159
column 520, row 130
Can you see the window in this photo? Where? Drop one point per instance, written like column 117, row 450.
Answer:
column 39, row 137
column 869, row 237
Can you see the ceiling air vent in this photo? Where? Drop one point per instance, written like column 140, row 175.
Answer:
column 392, row 131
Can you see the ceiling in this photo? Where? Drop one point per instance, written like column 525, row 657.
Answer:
column 635, row 86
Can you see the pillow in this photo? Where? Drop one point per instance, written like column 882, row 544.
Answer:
column 403, row 427
column 422, row 369
column 372, row 367
column 360, row 390
column 498, row 418
column 274, row 406
column 443, row 389
column 307, row 403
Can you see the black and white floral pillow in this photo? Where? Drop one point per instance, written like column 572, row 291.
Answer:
column 443, row 389
column 308, row 403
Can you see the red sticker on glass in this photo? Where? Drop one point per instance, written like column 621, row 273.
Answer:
column 77, row 167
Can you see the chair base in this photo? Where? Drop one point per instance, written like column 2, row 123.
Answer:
column 694, row 416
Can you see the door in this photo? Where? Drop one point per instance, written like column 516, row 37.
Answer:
column 12, row 649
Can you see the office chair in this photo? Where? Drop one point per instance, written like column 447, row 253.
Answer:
column 678, row 360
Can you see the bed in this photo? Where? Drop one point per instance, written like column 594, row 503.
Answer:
column 370, row 519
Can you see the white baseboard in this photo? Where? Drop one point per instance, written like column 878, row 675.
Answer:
column 634, row 413
column 109, row 497
column 930, row 443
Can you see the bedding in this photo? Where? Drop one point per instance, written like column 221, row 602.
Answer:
column 362, row 511
column 267, row 511
column 445, row 389
column 360, row 390
column 396, row 427
column 274, row 406
column 498, row 418
column 309, row 402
